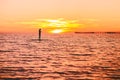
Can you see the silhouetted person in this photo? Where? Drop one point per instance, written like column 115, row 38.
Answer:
column 39, row 34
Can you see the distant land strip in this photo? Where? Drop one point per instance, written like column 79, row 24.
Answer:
column 97, row 32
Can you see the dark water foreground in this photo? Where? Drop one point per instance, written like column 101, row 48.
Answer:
column 60, row 57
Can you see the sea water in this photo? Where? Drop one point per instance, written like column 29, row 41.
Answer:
column 60, row 57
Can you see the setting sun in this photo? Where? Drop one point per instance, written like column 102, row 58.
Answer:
column 56, row 31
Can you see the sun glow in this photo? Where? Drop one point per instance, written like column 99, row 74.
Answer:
column 59, row 25
column 56, row 31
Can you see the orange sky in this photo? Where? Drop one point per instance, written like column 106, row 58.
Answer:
column 71, row 15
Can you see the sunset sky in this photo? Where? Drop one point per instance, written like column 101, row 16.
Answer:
column 59, row 15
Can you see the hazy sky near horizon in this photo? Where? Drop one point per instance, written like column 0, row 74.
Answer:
column 92, row 15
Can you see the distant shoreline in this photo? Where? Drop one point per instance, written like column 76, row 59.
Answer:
column 97, row 32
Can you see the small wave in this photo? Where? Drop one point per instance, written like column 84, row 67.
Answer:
column 6, row 51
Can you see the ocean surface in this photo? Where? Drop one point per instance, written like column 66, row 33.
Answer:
column 60, row 57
